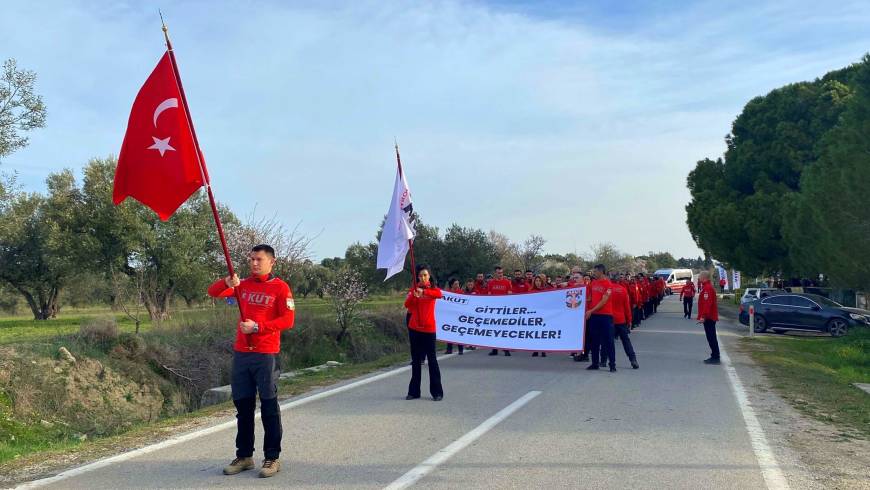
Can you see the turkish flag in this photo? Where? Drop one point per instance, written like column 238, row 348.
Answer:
column 158, row 164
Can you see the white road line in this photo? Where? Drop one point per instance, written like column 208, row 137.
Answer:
column 446, row 453
column 773, row 476
column 208, row 430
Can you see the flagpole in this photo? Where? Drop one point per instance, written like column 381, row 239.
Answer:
column 410, row 241
column 204, row 171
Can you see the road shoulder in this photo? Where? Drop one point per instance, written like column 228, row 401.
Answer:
column 811, row 454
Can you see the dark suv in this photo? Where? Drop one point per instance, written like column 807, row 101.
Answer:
column 809, row 312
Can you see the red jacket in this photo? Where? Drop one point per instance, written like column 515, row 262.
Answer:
column 708, row 309
column 422, row 310
column 496, row 287
column 521, row 286
column 633, row 294
column 688, row 290
column 595, row 292
column 480, row 287
column 643, row 287
column 268, row 301
column 621, row 306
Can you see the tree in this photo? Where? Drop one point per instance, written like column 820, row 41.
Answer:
column 21, row 109
column 24, row 255
column 530, row 253
column 827, row 226
column 179, row 257
column 469, row 252
column 36, row 233
column 292, row 248
column 738, row 206
column 346, row 291
column 612, row 258
column 129, row 294
column 508, row 253
column 659, row 260
column 311, row 279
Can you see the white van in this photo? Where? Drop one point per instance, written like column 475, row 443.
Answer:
column 675, row 279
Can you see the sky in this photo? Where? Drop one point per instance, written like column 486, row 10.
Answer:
column 577, row 121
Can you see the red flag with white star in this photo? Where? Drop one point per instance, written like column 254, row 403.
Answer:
column 158, row 164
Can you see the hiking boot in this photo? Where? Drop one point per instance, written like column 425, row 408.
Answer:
column 634, row 364
column 239, row 465
column 592, row 367
column 712, row 360
column 493, row 352
column 270, row 467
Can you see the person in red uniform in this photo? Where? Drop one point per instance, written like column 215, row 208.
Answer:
column 455, row 288
column 268, row 308
column 621, row 323
column 499, row 285
column 530, row 277
column 643, row 285
column 599, row 316
column 480, row 284
column 708, row 314
column 520, row 285
column 420, row 303
column 634, row 299
column 539, row 284
column 687, row 294
column 660, row 293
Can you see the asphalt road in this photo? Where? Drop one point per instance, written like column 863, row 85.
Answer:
column 674, row 423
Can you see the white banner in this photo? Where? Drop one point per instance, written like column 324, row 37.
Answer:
column 546, row 321
column 735, row 279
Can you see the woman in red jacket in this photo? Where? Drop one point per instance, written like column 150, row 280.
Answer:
column 421, row 333
column 539, row 283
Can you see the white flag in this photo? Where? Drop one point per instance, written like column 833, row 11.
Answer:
column 398, row 229
column 723, row 274
column 735, row 278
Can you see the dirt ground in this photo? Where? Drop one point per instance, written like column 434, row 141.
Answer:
column 812, row 454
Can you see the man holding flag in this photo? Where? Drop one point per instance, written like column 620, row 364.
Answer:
column 161, row 165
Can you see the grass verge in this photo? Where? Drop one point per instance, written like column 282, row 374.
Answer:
column 51, row 458
column 815, row 375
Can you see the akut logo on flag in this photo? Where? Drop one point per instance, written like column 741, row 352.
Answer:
column 162, row 144
column 407, row 207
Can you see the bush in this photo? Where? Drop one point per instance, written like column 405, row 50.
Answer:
column 100, row 332
column 196, row 355
column 130, row 346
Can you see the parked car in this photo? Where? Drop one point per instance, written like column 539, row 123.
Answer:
column 808, row 312
column 752, row 294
